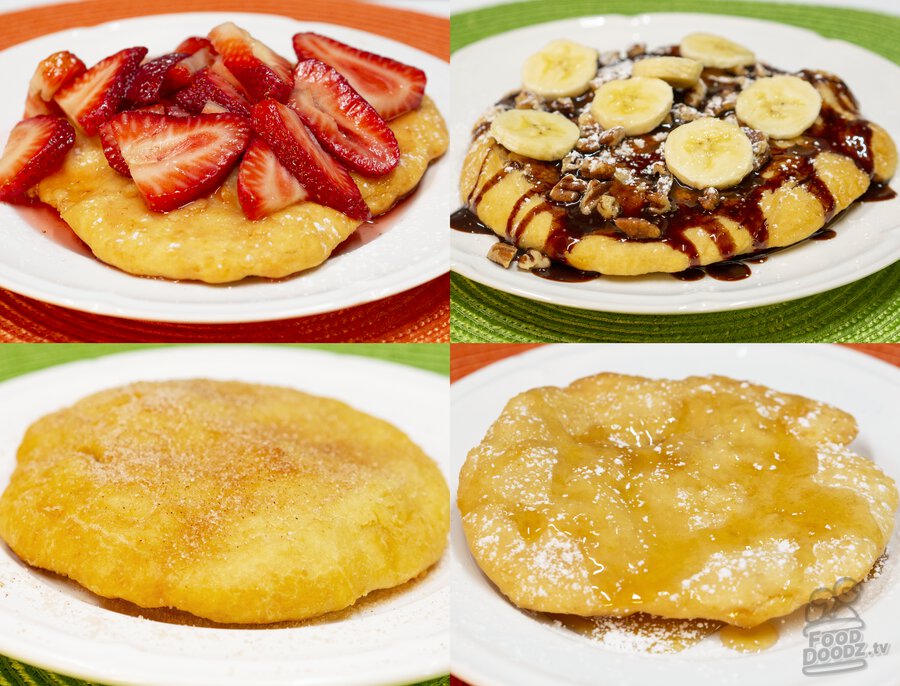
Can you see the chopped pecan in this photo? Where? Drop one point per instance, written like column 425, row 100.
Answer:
column 612, row 137
column 720, row 104
column 682, row 113
column 696, row 95
column 562, row 105
column 568, row 189
column 637, row 228
column 760, row 70
column 595, row 168
column 608, row 207
column 659, row 167
column 591, row 196
column 658, row 199
column 502, row 253
column 533, row 259
column 636, row 50
column 571, row 162
column 526, row 100
column 760, row 144
column 709, row 199
column 588, row 142
column 609, row 57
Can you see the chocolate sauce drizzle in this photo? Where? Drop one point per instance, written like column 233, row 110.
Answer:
column 840, row 132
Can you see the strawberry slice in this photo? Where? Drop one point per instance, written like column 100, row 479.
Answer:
column 194, row 44
column 174, row 160
column 149, row 83
column 109, row 140
column 182, row 73
column 51, row 74
column 264, row 184
column 94, row 97
column 391, row 87
column 326, row 179
column 210, row 86
column 35, row 149
column 262, row 72
column 345, row 124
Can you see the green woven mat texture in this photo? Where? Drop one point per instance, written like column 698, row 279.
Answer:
column 865, row 311
column 17, row 359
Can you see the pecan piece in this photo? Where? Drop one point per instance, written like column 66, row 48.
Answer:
column 634, row 227
column 595, row 168
column 636, row 50
column 608, row 207
column 502, row 253
column 612, row 137
column 569, row 188
column 533, row 259
column 696, row 95
column 526, row 100
column 709, row 199
column 591, row 196
column 759, row 142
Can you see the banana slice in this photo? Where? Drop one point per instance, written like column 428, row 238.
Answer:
column 709, row 152
column 678, row 72
column 780, row 106
column 715, row 51
column 540, row 135
column 562, row 68
column 638, row 104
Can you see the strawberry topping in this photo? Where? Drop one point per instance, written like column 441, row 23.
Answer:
column 391, row 87
column 51, row 74
column 210, row 86
column 94, row 97
column 150, row 83
column 326, row 179
column 262, row 72
column 344, row 123
column 182, row 73
column 174, row 160
column 35, row 149
column 195, row 44
column 264, row 184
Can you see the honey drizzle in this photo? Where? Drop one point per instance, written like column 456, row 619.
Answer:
column 753, row 640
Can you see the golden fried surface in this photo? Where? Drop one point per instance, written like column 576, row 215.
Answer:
column 210, row 239
column 701, row 498
column 236, row 502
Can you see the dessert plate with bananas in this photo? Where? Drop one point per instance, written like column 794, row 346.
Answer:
column 603, row 156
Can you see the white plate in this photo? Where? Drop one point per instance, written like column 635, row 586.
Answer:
column 868, row 236
column 399, row 639
column 495, row 644
column 397, row 252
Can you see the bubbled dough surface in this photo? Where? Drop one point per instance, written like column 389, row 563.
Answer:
column 601, row 498
column 210, row 239
column 236, row 502
column 792, row 212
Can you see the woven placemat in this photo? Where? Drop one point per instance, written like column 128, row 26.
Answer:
column 868, row 310
column 419, row 315
column 18, row 359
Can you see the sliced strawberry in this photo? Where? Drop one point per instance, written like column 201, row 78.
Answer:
column 264, row 184
column 345, row 124
column 94, row 97
column 174, row 160
column 326, row 179
column 35, row 149
column 194, row 44
column 51, row 74
column 149, row 83
column 212, row 108
column 391, row 87
column 182, row 73
column 262, row 72
column 210, row 86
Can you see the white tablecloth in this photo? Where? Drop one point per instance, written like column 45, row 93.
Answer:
column 888, row 6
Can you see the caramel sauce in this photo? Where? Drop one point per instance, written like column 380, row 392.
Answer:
column 833, row 131
column 753, row 640
column 878, row 192
column 465, row 220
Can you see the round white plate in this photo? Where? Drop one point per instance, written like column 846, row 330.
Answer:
column 401, row 638
column 43, row 260
column 495, row 644
column 868, row 236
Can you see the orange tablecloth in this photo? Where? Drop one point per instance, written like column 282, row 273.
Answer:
column 418, row 315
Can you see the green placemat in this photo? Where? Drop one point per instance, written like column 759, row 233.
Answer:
column 866, row 311
column 18, row 359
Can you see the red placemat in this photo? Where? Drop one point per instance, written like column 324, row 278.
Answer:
column 418, row 315
column 466, row 358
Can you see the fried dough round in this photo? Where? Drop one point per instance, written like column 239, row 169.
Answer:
column 700, row 498
column 236, row 502
column 210, row 239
